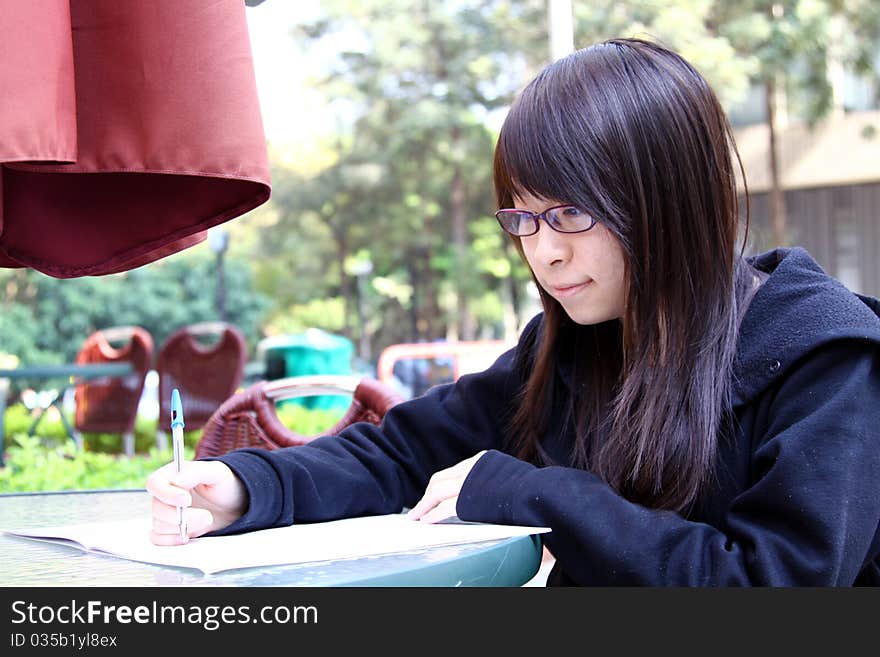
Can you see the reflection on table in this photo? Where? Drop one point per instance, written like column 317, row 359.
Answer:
column 25, row 562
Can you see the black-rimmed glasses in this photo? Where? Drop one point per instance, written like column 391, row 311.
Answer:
column 561, row 218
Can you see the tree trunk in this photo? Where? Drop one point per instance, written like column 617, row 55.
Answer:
column 364, row 350
column 430, row 321
column 431, row 318
column 464, row 319
column 426, row 307
column 777, row 194
column 345, row 287
column 412, row 268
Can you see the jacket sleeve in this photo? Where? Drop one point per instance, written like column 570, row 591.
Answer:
column 809, row 517
column 368, row 470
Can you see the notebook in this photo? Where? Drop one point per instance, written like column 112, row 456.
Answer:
column 338, row 539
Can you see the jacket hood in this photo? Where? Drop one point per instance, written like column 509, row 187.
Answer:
column 797, row 309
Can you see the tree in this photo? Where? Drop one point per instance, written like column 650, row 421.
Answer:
column 788, row 47
column 797, row 44
column 46, row 320
column 419, row 81
column 416, row 86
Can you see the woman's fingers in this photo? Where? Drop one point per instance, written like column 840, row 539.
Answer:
column 195, row 518
column 166, row 539
column 172, row 487
column 443, row 510
column 165, row 530
column 160, row 487
column 196, row 522
column 439, row 489
column 444, row 485
column 209, row 492
column 209, row 473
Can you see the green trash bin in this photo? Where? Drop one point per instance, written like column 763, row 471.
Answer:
column 312, row 352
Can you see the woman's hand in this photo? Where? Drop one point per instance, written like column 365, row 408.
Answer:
column 441, row 495
column 212, row 495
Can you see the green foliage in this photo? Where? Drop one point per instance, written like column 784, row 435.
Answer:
column 738, row 42
column 422, row 89
column 50, row 461
column 418, row 91
column 43, row 319
column 17, row 337
column 488, row 309
column 688, row 26
column 795, row 44
column 32, row 466
column 308, row 422
column 19, row 420
column 418, row 83
column 324, row 313
column 52, row 433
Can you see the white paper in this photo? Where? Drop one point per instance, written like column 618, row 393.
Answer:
column 339, row 539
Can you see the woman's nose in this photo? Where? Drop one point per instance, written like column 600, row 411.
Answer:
column 552, row 246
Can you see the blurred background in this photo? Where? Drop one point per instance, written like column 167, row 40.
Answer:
column 381, row 118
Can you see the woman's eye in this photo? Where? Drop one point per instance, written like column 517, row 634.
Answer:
column 571, row 212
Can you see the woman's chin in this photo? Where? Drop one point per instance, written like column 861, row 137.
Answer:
column 589, row 316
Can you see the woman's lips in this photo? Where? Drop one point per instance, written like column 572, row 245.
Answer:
column 569, row 290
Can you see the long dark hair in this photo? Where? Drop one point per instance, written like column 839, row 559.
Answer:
column 631, row 132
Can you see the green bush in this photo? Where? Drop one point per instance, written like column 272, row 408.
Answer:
column 31, row 465
column 308, row 422
column 51, row 432
column 19, row 420
column 46, row 320
column 51, row 462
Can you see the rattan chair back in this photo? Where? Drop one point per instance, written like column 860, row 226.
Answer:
column 249, row 417
column 109, row 405
column 205, row 374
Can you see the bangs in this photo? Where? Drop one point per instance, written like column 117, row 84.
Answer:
column 531, row 160
column 551, row 145
column 524, row 163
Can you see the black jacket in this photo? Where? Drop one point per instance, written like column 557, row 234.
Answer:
column 797, row 498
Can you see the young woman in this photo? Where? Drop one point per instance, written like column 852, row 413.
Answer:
column 678, row 414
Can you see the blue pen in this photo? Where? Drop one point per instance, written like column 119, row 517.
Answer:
column 177, row 443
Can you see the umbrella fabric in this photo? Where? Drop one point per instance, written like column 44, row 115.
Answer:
column 127, row 129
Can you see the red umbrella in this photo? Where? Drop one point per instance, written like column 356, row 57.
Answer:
column 127, row 129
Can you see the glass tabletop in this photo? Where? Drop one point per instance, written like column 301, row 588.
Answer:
column 26, row 562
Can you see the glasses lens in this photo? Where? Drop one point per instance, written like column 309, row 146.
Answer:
column 516, row 222
column 569, row 219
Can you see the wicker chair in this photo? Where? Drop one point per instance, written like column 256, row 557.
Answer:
column 110, row 405
column 248, row 418
column 205, row 374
